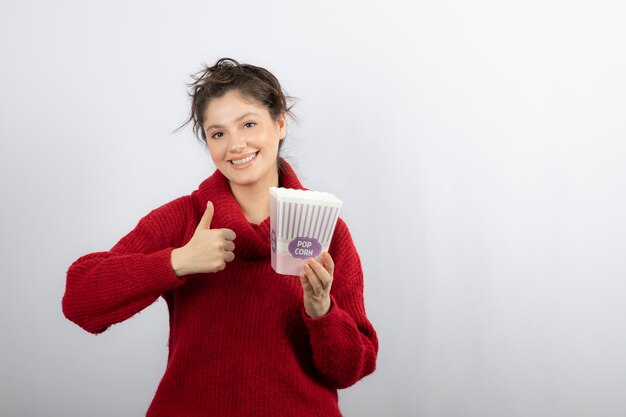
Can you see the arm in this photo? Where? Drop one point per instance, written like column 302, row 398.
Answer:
column 343, row 341
column 104, row 288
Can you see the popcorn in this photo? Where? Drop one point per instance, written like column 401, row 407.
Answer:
column 302, row 223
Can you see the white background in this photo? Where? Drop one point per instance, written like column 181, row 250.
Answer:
column 478, row 148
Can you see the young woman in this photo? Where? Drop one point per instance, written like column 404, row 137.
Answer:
column 244, row 340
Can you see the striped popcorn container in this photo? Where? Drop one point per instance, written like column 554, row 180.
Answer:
column 301, row 226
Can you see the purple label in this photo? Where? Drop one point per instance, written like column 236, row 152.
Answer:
column 305, row 247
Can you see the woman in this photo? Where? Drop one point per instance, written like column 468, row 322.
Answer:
column 244, row 340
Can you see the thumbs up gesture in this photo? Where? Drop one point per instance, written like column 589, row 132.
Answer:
column 208, row 250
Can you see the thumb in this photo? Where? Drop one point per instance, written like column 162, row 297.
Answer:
column 205, row 221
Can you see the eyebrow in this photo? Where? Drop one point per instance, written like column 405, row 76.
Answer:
column 236, row 120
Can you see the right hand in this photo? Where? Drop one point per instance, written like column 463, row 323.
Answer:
column 208, row 250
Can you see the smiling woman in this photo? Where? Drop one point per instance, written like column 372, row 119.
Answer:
column 244, row 340
column 244, row 148
column 240, row 112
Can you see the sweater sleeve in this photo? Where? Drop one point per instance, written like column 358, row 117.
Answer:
column 344, row 342
column 104, row 288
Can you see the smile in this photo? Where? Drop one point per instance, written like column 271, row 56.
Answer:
column 244, row 160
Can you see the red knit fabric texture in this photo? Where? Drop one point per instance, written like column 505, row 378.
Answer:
column 240, row 343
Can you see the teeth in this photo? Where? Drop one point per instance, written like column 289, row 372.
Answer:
column 244, row 160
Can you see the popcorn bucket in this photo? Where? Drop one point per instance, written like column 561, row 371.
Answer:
column 302, row 223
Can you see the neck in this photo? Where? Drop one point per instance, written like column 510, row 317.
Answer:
column 254, row 199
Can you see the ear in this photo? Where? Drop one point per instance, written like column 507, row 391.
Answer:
column 282, row 126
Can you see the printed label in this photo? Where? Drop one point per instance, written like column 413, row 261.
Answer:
column 273, row 240
column 305, row 247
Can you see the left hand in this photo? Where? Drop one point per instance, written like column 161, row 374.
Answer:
column 316, row 280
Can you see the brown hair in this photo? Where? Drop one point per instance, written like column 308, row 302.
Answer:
column 250, row 81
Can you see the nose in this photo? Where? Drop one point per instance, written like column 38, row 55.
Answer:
column 238, row 144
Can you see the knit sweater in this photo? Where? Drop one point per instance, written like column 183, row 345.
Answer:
column 240, row 342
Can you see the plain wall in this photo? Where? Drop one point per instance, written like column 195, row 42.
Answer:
column 478, row 148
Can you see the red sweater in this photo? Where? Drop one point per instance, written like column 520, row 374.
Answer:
column 240, row 343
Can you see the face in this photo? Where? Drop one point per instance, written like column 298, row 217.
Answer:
column 238, row 129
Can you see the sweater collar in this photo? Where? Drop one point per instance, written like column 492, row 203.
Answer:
column 252, row 241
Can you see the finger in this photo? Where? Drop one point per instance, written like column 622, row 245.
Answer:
column 314, row 280
column 228, row 234
column 205, row 221
column 306, row 285
column 328, row 263
column 323, row 275
column 229, row 256
column 229, row 245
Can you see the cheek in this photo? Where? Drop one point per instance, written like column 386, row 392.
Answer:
column 216, row 149
column 270, row 140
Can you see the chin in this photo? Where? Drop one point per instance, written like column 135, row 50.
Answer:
column 248, row 177
column 243, row 181
column 242, row 178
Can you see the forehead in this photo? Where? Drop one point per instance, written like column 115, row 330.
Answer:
column 225, row 109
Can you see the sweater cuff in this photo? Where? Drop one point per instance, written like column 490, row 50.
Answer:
column 328, row 324
column 160, row 276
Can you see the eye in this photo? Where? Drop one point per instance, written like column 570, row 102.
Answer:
column 250, row 123
column 216, row 133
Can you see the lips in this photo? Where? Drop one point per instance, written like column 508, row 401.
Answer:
column 243, row 162
column 242, row 157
